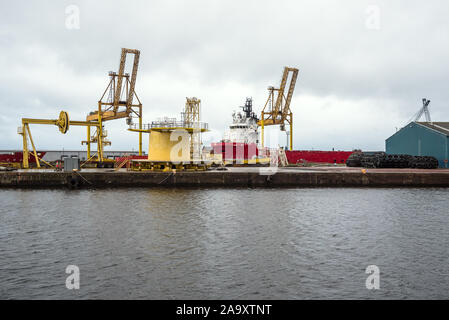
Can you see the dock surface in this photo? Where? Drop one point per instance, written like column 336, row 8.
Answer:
column 232, row 177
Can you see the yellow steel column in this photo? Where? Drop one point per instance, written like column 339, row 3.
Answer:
column 262, row 132
column 100, row 135
column 291, row 131
column 140, row 132
column 25, row 163
column 34, row 149
column 99, row 144
column 88, row 142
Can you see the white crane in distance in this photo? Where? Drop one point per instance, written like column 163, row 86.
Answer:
column 424, row 110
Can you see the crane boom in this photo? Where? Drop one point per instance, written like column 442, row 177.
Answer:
column 133, row 76
column 281, row 90
column 424, row 110
column 121, row 70
column 290, row 91
column 121, row 75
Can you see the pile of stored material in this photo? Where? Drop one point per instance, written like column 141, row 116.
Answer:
column 383, row 160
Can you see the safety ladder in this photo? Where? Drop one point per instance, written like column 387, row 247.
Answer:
column 122, row 163
column 283, row 161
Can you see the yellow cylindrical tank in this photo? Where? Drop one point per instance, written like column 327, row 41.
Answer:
column 162, row 148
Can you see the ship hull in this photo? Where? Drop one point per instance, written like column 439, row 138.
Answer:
column 302, row 156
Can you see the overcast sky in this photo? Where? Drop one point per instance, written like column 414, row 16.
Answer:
column 363, row 66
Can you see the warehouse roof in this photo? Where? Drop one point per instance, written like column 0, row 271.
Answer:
column 441, row 127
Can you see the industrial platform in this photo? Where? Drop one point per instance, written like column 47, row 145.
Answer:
column 232, row 177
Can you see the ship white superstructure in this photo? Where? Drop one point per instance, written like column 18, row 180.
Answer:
column 244, row 126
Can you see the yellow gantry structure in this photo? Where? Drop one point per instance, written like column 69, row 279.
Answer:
column 117, row 103
column 63, row 123
column 191, row 117
column 277, row 108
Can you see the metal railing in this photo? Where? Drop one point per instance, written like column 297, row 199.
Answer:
column 171, row 124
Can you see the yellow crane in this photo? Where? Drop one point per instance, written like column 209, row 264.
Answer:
column 277, row 108
column 116, row 103
column 63, row 123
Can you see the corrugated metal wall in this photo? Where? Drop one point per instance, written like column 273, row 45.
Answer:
column 418, row 140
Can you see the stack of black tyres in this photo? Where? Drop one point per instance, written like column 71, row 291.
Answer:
column 424, row 162
column 354, row 160
column 372, row 160
column 383, row 160
column 394, row 161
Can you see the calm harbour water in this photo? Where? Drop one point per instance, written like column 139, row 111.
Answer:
column 224, row 243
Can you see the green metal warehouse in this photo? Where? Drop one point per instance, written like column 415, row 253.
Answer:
column 422, row 139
